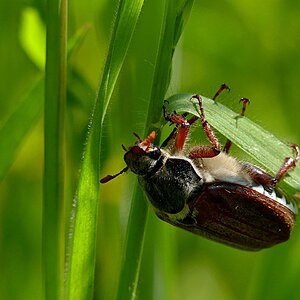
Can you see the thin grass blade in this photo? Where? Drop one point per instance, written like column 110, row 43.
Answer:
column 53, row 183
column 170, row 34
column 82, row 252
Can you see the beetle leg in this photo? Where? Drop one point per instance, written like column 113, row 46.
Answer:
column 288, row 163
column 206, row 127
column 206, row 151
column 185, row 127
column 223, row 87
column 180, row 132
column 227, row 146
column 259, row 176
column 203, row 151
column 263, row 178
column 228, row 142
column 245, row 102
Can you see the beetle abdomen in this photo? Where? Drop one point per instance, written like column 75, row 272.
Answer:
column 238, row 216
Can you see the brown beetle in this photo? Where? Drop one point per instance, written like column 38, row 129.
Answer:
column 208, row 192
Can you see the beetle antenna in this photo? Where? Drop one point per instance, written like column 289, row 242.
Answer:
column 138, row 137
column 108, row 178
column 124, row 148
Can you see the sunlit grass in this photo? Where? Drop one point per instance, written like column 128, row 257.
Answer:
column 254, row 51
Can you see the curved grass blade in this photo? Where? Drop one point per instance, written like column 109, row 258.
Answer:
column 174, row 18
column 261, row 145
column 82, row 252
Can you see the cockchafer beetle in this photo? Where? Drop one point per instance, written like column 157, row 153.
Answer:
column 208, row 192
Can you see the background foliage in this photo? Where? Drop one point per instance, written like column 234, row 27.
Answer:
column 252, row 46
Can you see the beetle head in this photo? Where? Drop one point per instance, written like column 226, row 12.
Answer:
column 143, row 156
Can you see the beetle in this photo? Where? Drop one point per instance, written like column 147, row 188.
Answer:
column 206, row 191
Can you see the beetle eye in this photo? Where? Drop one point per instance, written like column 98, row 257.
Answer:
column 154, row 154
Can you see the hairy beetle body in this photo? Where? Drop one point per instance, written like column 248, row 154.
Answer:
column 217, row 199
column 210, row 193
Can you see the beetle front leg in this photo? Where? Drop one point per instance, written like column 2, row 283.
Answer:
column 180, row 134
column 181, row 131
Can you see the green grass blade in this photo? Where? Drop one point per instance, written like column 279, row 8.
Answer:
column 261, row 145
column 176, row 17
column 134, row 243
column 127, row 17
column 182, row 17
column 83, row 240
column 129, row 274
column 53, row 192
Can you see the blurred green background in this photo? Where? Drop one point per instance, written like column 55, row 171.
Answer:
column 253, row 46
